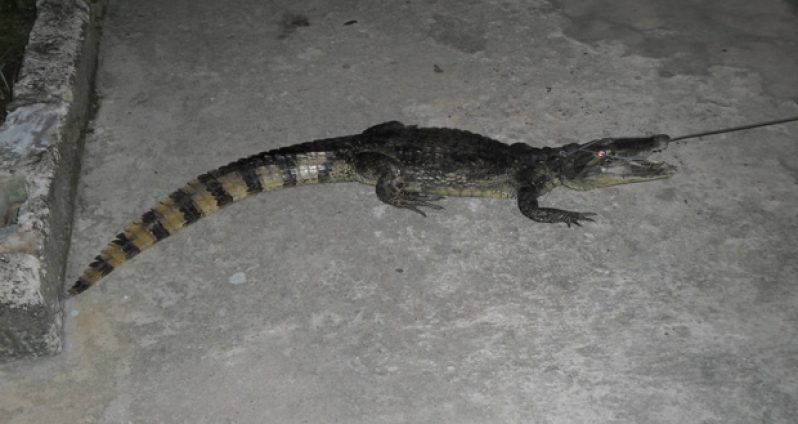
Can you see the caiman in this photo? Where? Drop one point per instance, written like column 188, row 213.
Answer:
column 410, row 167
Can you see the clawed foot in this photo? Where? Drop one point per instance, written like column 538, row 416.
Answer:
column 528, row 203
column 569, row 218
column 553, row 216
column 415, row 201
column 393, row 190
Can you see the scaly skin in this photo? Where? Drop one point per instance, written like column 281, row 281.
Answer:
column 410, row 168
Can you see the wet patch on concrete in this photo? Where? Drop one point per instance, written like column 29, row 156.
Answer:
column 753, row 38
column 458, row 33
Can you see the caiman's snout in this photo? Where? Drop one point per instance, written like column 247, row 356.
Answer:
column 609, row 162
column 627, row 159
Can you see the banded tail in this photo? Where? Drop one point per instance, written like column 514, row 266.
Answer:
column 267, row 171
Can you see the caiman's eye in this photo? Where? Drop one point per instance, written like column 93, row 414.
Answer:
column 601, row 154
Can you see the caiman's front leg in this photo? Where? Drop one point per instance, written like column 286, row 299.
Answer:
column 528, row 203
column 391, row 186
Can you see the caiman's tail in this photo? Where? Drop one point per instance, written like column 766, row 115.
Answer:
column 268, row 171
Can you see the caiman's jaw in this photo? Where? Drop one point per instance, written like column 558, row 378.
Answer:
column 610, row 172
column 609, row 162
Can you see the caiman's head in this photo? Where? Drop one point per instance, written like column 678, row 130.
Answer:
column 612, row 161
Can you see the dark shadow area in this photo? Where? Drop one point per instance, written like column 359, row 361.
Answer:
column 16, row 21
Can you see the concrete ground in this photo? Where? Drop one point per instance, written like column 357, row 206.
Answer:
column 320, row 304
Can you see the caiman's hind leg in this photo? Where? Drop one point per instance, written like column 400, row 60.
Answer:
column 391, row 187
column 528, row 203
column 391, row 190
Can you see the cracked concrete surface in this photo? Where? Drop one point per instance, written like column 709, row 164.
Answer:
column 319, row 304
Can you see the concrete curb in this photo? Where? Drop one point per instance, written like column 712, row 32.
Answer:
column 40, row 145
